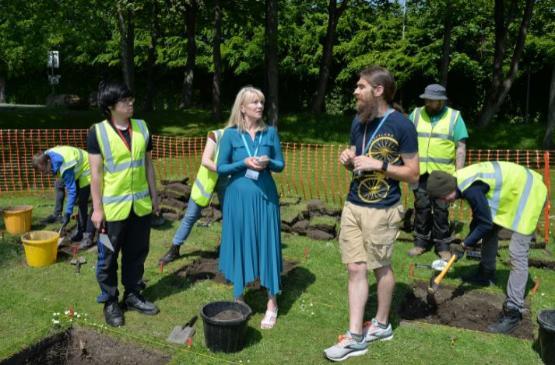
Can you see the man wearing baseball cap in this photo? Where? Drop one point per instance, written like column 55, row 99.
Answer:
column 442, row 138
column 500, row 194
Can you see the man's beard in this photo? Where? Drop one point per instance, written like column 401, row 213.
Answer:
column 368, row 110
column 433, row 112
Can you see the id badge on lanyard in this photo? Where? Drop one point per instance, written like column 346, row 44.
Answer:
column 252, row 174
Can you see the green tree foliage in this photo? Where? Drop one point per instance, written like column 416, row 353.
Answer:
column 409, row 43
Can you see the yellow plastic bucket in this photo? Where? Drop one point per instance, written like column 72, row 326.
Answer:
column 41, row 247
column 18, row 219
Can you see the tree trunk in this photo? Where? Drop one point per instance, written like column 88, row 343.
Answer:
column 217, row 59
column 2, row 89
column 127, row 45
column 271, row 55
column 501, row 85
column 151, row 59
column 446, row 54
column 327, row 54
column 190, row 22
column 548, row 139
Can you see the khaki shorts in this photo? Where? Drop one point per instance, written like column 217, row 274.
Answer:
column 367, row 234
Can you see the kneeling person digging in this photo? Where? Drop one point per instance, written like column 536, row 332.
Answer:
column 501, row 195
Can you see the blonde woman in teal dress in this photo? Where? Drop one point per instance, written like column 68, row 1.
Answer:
column 251, row 239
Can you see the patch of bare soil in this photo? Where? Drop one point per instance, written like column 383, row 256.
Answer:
column 206, row 268
column 455, row 307
column 83, row 346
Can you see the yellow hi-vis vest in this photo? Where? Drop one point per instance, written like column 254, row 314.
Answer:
column 436, row 144
column 76, row 159
column 516, row 194
column 125, row 184
column 206, row 180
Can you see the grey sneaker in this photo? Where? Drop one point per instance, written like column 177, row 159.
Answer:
column 345, row 348
column 374, row 332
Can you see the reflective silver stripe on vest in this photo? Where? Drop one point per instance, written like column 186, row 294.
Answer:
column 142, row 127
column 203, row 192
column 498, row 179
column 496, row 198
column 73, row 163
column 124, row 198
column 452, row 122
column 437, row 160
column 109, row 159
column 416, row 117
column 435, row 135
column 523, row 199
column 85, row 173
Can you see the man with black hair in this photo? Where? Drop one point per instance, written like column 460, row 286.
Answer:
column 500, row 194
column 124, row 195
column 71, row 165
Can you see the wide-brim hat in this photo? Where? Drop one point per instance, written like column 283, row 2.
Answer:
column 434, row 92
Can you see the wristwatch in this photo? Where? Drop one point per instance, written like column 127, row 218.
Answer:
column 385, row 164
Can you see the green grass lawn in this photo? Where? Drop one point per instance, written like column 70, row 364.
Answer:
column 305, row 128
column 313, row 305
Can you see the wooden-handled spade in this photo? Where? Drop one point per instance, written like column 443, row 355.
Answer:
column 434, row 282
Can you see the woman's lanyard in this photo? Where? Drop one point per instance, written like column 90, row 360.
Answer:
column 247, row 146
column 366, row 147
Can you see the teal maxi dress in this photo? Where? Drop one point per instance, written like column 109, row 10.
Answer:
column 251, row 237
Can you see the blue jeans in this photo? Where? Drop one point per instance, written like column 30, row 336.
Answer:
column 192, row 215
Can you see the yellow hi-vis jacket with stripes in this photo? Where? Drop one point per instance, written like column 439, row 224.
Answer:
column 206, row 180
column 516, row 194
column 436, row 144
column 125, row 184
column 76, row 159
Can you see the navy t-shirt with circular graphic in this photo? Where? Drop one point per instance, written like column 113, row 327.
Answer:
column 396, row 136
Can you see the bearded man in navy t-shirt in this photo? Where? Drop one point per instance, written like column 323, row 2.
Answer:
column 383, row 151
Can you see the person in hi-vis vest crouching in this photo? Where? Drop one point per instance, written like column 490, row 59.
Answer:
column 501, row 195
column 205, row 184
column 124, row 196
column 71, row 166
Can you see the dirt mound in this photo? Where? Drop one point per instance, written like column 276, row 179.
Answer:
column 206, row 268
column 83, row 346
column 455, row 307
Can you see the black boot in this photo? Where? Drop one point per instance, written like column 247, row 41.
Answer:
column 171, row 255
column 77, row 236
column 137, row 303
column 481, row 278
column 508, row 321
column 113, row 314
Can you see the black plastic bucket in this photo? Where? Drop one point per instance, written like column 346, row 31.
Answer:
column 225, row 325
column 546, row 338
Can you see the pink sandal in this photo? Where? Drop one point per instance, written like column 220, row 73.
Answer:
column 269, row 320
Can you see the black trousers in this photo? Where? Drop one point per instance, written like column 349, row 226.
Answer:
column 84, row 223
column 60, row 196
column 431, row 220
column 132, row 237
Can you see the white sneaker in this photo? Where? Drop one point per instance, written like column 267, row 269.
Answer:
column 374, row 332
column 345, row 348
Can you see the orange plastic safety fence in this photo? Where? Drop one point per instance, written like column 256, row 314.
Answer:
column 312, row 170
